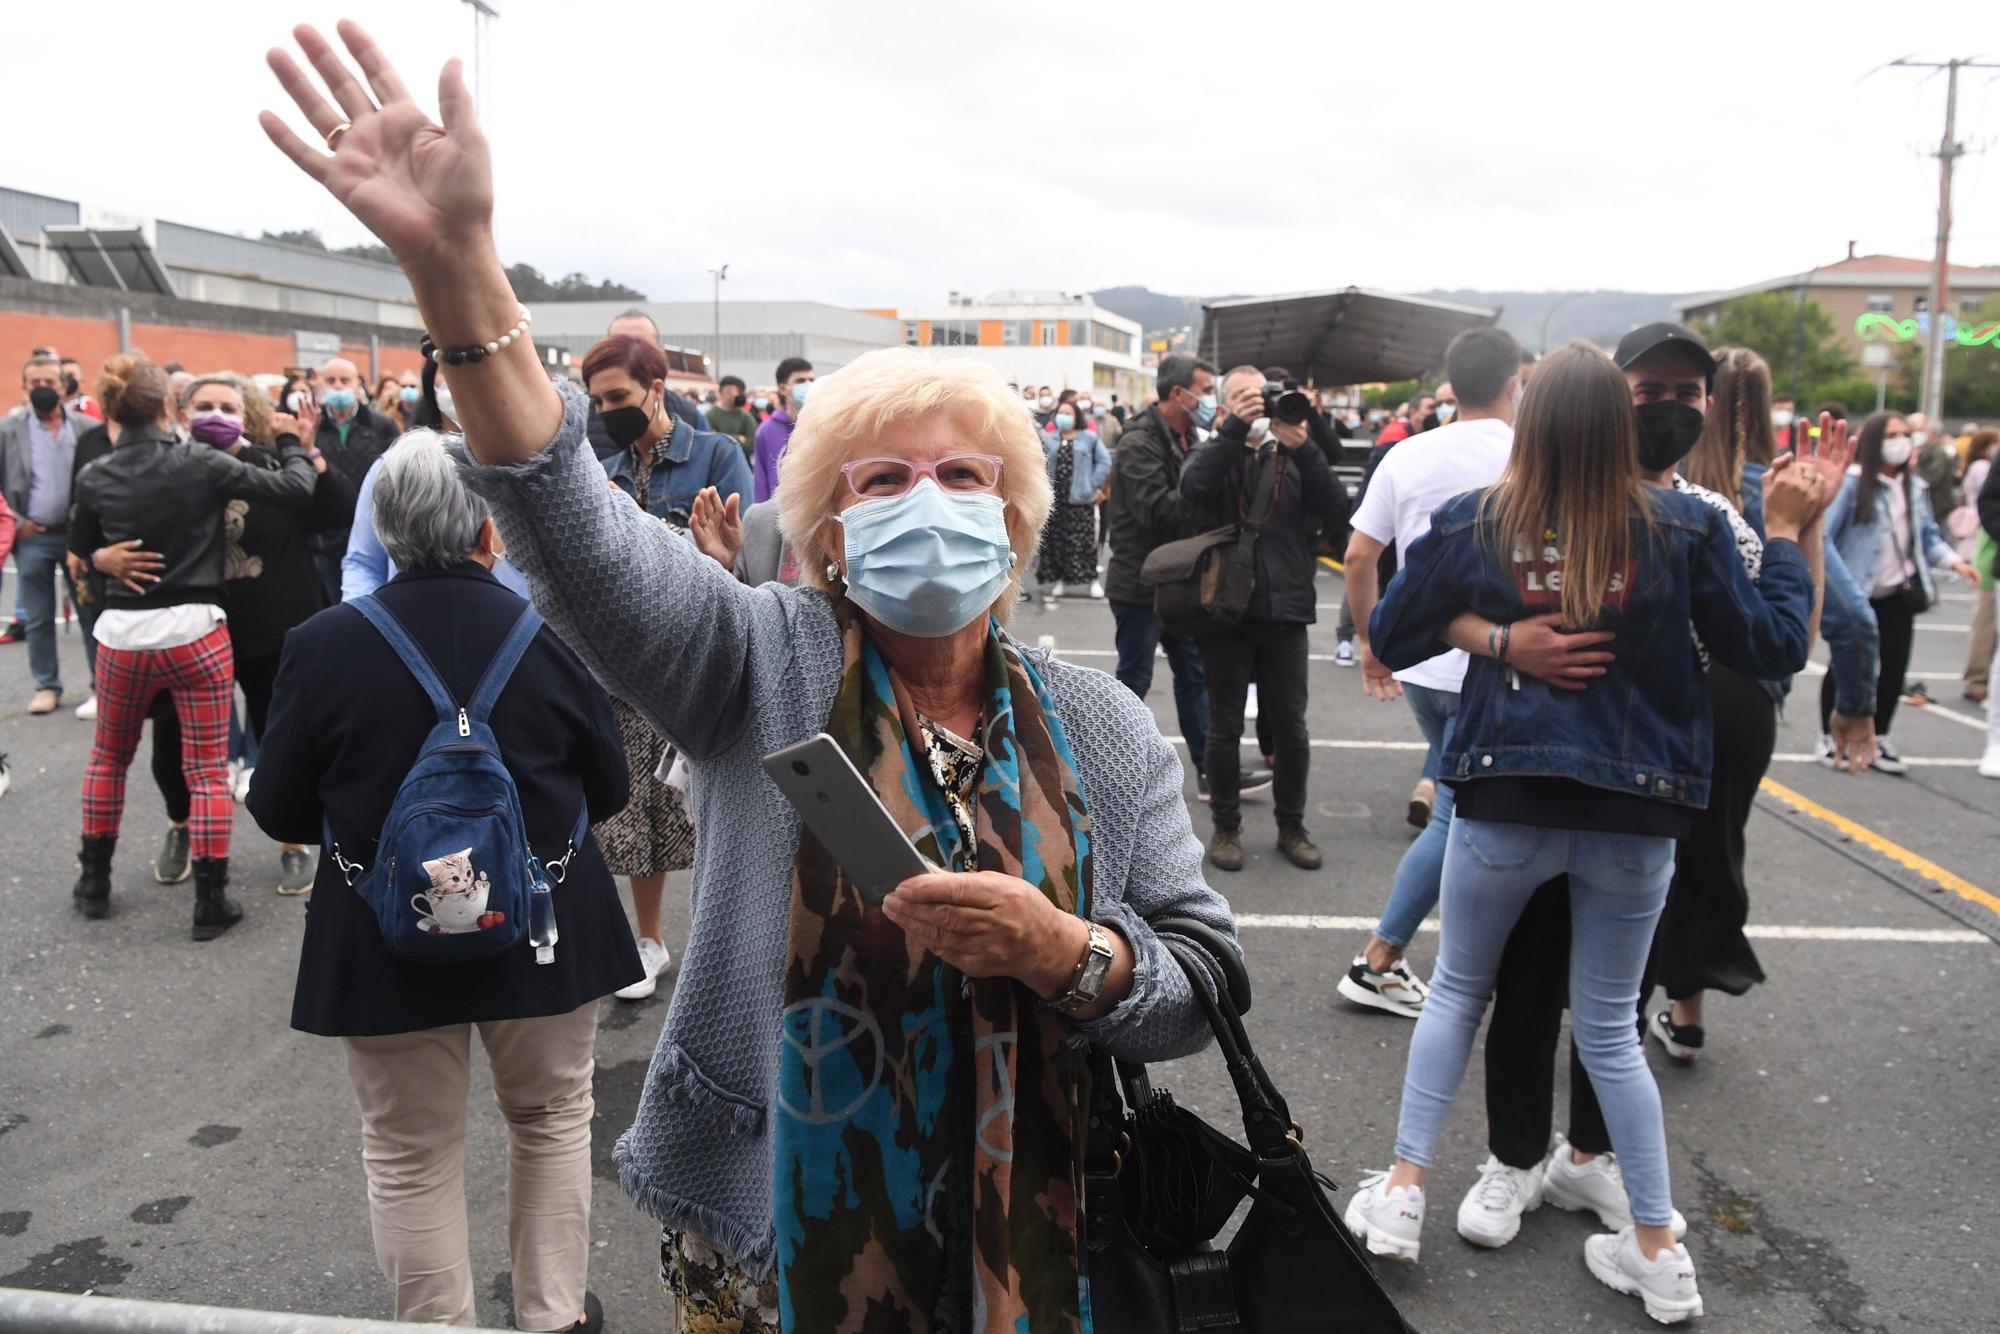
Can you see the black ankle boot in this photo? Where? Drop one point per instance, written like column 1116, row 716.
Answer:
column 92, row 894
column 214, row 911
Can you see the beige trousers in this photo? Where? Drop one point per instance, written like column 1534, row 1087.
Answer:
column 412, row 1091
column 1979, row 647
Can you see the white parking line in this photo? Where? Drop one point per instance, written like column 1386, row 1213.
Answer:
column 1876, row 934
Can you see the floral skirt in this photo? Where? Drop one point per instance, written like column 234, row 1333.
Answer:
column 710, row 1295
column 652, row 834
column 1069, row 546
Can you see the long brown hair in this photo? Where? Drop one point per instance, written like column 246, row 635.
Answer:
column 1738, row 429
column 1868, row 458
column 1574, row 471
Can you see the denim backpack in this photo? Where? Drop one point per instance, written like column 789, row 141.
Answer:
column 453, row 876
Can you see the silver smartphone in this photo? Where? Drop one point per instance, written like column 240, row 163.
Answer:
column 845, row 815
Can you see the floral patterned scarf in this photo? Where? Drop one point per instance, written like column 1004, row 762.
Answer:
column 927, row 1152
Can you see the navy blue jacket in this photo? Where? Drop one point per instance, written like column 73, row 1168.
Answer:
column 347, row 720
column 1643, row 727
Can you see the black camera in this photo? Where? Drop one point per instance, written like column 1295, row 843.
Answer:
column 1290, row 406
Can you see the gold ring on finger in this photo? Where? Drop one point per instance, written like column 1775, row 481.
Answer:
column 333, row 135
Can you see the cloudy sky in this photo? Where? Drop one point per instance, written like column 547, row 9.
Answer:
column 873, row 153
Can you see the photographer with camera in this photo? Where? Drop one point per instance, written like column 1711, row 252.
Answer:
column 1266, row 430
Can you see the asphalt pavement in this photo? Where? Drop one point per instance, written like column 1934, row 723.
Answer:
column 165, row 1135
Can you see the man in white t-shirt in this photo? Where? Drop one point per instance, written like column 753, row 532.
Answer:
column 1409, row 484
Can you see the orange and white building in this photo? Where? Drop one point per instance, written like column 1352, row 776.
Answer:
column 1037, row 338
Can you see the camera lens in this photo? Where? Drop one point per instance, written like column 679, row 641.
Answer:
column 801, row 768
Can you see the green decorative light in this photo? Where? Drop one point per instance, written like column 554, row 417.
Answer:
column 1889, row 329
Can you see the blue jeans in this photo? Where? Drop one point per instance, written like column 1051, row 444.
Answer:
column 1417, row 875
column 38, row 560
column 1617, row 886
column 1139, row 634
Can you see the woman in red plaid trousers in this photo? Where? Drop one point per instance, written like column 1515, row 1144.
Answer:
column 164, row 630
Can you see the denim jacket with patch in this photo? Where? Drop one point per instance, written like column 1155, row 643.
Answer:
column 1644, row 726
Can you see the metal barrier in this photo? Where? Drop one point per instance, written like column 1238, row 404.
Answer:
column 62, row 1313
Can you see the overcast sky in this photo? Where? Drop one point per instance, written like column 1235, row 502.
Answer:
column 869, row 153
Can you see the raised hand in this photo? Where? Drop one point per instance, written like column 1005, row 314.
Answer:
column 1794, row 493
column 414, row 184
column 1828, row 453
column 716, row 527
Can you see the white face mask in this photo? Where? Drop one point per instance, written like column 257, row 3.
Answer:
column 1781, row 417
column 1896, row 450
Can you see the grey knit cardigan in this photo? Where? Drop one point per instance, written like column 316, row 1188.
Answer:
column 730, row 673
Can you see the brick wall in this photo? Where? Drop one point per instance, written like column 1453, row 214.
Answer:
column 83, row 323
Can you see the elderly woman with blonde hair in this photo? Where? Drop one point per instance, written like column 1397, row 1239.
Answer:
column 857, row 1112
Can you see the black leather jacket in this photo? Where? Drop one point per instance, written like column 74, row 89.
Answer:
column 171, row 497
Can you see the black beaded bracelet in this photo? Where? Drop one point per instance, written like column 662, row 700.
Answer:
column 478, row 352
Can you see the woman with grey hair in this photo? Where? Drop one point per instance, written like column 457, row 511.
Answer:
column 347, row 721
column 861, row 1113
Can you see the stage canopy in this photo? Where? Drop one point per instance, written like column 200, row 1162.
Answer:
column 1349, row 336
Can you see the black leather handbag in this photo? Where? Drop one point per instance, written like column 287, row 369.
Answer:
column 1160, row 1184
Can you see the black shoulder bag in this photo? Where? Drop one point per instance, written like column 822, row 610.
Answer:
column 1913, row 593
column 1202, row 584
column 1160, row 1183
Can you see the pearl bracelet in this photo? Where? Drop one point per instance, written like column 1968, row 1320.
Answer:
column 459, row 356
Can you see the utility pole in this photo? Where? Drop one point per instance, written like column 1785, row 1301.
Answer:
column 1949, row 151
column 718, row 272
column 483, row 14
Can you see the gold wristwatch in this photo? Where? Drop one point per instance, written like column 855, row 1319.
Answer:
column 1086, row 984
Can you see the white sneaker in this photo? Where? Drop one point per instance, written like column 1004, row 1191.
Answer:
column 1398, row 991
column 1989, row 763
column 1888, row 759
column 87, row 710
column 242, row 784
column 1664, row 1283
column 1055, row 590
column 1824, row 752
column 1490, row 1213
column 1597, row 1187
column 1097, row 588
column 654, row 958
column 1389, row 1223
column 1343, row 654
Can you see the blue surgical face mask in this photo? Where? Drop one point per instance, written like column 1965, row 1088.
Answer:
column 410, row 395
column 926, row 563
column 761, row 403
column 799, row 392
column 1204, row 411
column 1065, row 422
column 338, row 400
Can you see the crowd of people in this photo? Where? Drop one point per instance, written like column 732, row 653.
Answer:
column 864, row 1112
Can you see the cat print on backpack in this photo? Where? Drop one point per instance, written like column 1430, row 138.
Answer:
column 456, row 903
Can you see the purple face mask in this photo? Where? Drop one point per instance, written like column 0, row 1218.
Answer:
column 216, row 430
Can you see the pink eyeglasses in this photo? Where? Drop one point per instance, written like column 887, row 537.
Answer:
column 875, row 479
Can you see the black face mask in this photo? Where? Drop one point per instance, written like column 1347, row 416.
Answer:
column 44, row 400
column 1667, row 431
column 71, row 384
column 625, row 425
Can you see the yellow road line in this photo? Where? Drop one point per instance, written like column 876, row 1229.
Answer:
column 1895, row 852
column 1338, row 568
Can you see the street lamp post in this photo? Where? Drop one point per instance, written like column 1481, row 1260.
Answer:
column 718, row 272
column 483, row 13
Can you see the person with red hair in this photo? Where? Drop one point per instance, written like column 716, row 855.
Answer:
column 662, row 463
